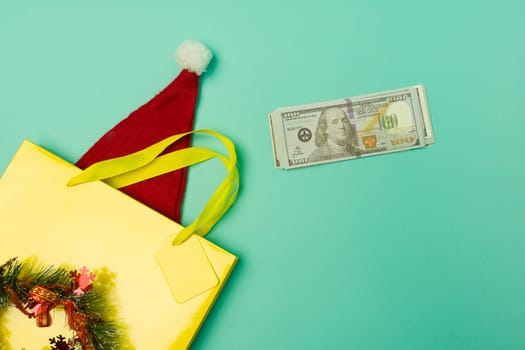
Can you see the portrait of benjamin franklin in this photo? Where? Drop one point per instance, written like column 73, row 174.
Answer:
column 334, row 136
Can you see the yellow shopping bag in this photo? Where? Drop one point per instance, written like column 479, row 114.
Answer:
column 87, row 267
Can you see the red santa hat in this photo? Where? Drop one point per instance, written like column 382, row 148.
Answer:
column 170, row 112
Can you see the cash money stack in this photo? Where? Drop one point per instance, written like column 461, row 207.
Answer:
column 348, row 128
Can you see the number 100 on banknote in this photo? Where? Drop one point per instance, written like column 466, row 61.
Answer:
column 348, row 128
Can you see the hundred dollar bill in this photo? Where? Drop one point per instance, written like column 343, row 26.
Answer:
column 348, row 128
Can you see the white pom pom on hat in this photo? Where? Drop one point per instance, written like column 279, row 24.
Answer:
column 170, row 112
column 193, row 56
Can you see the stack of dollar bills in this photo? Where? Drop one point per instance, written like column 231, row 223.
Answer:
column 349, row 128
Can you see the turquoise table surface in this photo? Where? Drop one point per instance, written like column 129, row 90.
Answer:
column 414, row 250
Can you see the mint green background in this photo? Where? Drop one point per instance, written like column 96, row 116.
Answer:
column 414, row 250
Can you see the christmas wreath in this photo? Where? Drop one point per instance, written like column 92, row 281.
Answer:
column 36, row 292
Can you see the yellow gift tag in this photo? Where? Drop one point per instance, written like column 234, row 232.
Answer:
column 187, row 269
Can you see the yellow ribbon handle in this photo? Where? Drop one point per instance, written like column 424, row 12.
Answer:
column 148, row 163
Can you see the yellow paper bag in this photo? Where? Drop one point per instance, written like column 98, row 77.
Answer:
column 155, row 281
